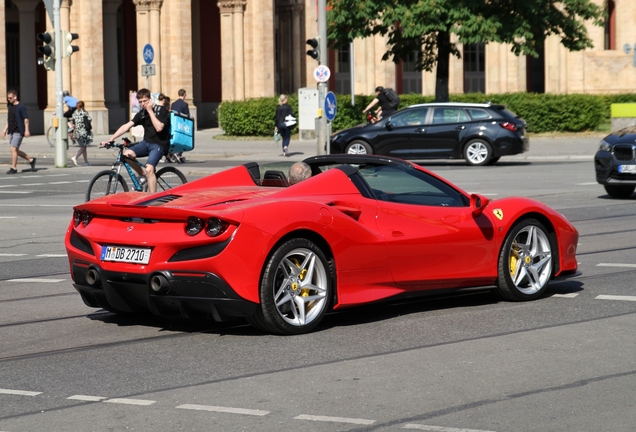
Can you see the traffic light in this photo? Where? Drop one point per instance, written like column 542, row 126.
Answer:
column 47, row 49
column 68, row 39
column 314, row 52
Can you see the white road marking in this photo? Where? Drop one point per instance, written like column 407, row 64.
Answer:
column 127, row 401
column 440, row 429
column 569, row 295
column 586, row 184
column 32, row 184
column 224, row 409
column 615, row 265
column 11, row 255
column 86, row 398
column 36, row 280
column 8, row 217
column 16, row 192
column 52, row 255
column 615, row 297
column 38, row 205
column 335, row 419
column 19, row 392
column 62, row 182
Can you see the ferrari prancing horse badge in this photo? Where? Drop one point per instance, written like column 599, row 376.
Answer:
column 498, row 213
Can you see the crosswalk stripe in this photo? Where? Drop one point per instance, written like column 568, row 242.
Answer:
column 335, row 419
column 127, row 401
column 42, row 280
column 224, row 409
column 615, row 297
column 86, row 398
column 19, row 392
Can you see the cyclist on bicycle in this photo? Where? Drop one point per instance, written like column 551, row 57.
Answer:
column 156, row 123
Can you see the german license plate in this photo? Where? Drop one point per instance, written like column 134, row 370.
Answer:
column 125, row 254
column 627, row 169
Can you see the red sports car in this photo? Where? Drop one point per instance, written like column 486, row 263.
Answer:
column 361, row 229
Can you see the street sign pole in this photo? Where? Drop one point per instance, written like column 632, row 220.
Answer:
column 61, row 139
column 322, row 86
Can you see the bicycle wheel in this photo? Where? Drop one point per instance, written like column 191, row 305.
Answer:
column 169, row 177
column 50, row 136
column 105, row 183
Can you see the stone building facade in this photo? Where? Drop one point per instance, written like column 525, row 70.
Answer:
column 235, row 49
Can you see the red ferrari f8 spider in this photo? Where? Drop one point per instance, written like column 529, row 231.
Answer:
column 361, row 229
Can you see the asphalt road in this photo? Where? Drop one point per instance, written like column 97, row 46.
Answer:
column 454, row 363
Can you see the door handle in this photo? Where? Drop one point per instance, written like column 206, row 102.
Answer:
column 420, row 130
column 462, row 127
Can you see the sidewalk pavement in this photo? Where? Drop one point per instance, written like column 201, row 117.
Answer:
column 574, row 148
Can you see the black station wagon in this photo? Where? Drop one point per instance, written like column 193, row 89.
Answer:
column 479, row 133
column 615, row 163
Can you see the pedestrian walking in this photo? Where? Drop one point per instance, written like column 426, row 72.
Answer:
column 180, row 105
column 17, row 129
column 83, row 132
column 284, row 120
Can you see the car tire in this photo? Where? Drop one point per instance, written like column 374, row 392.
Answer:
column 525, row 261
column 295, row 289
column 494, row 160
column 621, row 191
column 359, row 148
column 478, row 152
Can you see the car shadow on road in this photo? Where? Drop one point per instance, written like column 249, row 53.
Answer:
column 358, row 315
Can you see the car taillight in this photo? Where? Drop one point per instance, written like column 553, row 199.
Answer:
column 215, row 227
column 194, row 226
column 77, row 217
column 509, row 126
column 86, row 218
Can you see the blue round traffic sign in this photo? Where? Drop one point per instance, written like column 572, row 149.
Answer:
column 148, row 53
column 331, row 106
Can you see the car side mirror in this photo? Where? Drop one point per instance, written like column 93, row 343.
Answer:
column 388, row 125
column 478, row 203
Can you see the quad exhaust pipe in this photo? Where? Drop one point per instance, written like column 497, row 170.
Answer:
column 159, row 284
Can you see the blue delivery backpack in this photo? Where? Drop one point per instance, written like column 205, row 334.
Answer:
column 181, row 132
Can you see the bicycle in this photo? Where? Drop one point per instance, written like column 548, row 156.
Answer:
column 111, row 181
column 50, row 136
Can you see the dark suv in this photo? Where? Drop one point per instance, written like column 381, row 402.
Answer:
column 615, row 163
column 479, row 133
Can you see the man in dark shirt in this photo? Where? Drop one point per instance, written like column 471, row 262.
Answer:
column 156, row 123
column 180, row 105
column 386, row 108
column 17, row 128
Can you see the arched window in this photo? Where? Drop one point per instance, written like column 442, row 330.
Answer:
column 610, row 26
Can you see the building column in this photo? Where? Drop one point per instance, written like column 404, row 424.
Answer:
column 28, row 79
column 232, row 46
column 3, row 70
column 116, row 113
column 149, row 31
column 298, row 42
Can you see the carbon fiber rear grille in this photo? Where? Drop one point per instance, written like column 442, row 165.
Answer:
column 624, row 152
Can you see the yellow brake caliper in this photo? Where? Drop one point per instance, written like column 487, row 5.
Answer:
column 305, row 291
column 513, row 262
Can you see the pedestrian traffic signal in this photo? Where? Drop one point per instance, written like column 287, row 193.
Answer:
column 47, row 49
column 68, row 39
column 314, row 52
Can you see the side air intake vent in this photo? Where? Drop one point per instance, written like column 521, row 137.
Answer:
column 160, row 200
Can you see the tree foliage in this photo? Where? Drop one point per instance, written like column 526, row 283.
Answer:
column 427, row 25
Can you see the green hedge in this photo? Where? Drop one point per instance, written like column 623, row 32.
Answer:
column 543, row 112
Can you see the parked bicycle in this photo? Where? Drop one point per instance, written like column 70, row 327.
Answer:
column 50, row 135
column 111, row 181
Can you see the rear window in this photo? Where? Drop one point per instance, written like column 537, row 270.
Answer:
column 478, row 114
column 506, row 113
